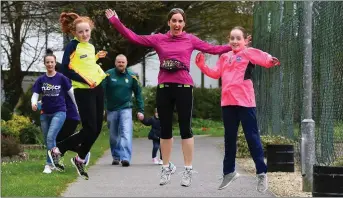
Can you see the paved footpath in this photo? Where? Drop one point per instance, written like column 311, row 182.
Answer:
column 141, row 179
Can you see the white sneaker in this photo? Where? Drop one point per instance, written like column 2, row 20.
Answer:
column 47, row 169
column 262, row 182
column 155, row 160
column 52, row 168
column 160, row 162
column 87, row 158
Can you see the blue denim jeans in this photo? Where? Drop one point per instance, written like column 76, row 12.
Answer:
column 121, row 128
column 51, row 125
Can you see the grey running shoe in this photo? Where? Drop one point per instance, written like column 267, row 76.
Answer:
column 262, row 182
column 186, row 179
column 165, row 176
column 227, row 179
column 80, row 168
column 172, row 167
column 55, row 159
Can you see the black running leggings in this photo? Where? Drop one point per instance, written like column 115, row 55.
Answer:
column 68, row 129
column 168, row 96
column 91, row 107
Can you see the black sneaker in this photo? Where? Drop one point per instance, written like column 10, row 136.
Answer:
column 55, row 160
column 115, row 162
column 125, row 163
column 80, row 168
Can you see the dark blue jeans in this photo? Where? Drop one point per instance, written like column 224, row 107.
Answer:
column 232, row 116
column 155, row 148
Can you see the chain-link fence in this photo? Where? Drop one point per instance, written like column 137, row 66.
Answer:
column 278, row 30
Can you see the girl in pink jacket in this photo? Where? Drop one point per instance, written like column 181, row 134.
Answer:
column 175, row 84
column 238, row 102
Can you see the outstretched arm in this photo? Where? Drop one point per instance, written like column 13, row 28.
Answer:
column 145, row 40
column 203, row 46
column 260, row 57
column 147, row 121
column 213, row 73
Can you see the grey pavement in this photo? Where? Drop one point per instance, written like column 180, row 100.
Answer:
column 141, row 179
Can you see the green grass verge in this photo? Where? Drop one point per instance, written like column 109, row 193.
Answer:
column 25, row 178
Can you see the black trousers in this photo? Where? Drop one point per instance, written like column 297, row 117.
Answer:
column 91, row 107
column 68, row 129
column 168, row 96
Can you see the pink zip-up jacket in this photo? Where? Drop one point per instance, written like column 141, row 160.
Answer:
column 168, row 46
column 235, row 70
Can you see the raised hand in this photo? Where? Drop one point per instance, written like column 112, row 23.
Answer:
column 200, row 60
column 248, row 41
column 101, row 54
column 110, row 13
column 275, row 61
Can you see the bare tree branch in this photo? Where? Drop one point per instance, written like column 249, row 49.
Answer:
column 7, row 53
column 27, row 26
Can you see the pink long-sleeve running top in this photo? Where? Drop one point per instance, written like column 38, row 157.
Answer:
column 235, row 70
column 168, row 47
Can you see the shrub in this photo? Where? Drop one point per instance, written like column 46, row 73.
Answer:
column 17, row 123
column 5, row 130
column 31, row 135
column 338, row 162
column 6, row 113
column 9, row 146
column 25, row 107
column 140, row 130
column 243, row 149
column 206, row 103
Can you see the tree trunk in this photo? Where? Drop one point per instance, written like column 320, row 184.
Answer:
column 14, row 77
column 202, row 80
column 143, row 72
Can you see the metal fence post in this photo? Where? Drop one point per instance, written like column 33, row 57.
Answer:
column 307, row 124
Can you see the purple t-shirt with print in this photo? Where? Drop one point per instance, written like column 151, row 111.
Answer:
column 53, row 90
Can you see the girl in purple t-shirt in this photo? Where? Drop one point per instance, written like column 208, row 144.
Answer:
column 53, row 86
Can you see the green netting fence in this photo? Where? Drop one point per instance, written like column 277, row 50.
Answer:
column 278, row 30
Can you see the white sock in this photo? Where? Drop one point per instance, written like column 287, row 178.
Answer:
column 189, row 167
column 79, row 159
column 165, row 166
column 56, row 150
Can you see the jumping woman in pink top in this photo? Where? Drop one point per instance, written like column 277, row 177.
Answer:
column 175, row 83
column 238, row 102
